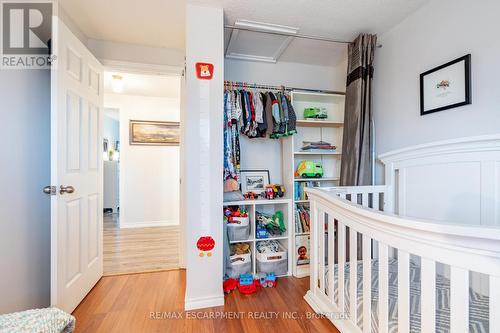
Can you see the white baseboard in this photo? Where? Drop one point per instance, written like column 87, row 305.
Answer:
column 147, row 224
column 203, row 302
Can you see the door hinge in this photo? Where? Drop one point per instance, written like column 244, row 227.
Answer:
column 50, row 190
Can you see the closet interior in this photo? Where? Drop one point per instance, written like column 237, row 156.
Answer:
column 283, row 113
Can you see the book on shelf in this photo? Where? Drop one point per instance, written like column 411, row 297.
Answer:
column 302, row 248
column 302, row 219
column 300, row 194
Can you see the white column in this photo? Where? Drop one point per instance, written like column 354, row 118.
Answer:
column 203, row 142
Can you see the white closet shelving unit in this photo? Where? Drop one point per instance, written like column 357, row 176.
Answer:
column 329, row 130
column 270, row 207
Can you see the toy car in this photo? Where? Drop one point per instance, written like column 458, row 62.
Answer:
column 274, row 191
column 309, row 169
column 250, row 195
column 229, row 285
column 318, row 113
column 246, row 284
column 269, row 280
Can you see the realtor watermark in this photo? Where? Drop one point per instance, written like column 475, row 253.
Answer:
column 26, row 35
column 252, row 315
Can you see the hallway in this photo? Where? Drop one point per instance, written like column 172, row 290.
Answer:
column 133, row 250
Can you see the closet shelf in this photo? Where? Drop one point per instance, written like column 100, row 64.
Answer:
column 319, row 123
column 256, row 202
column 302, row 233
column 324, row 179
column 317, row 153
column 270, row 238
column 301, row 201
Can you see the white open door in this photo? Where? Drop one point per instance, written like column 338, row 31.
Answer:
column 76, row 169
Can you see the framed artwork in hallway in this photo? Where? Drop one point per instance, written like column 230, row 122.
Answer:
column 165, row 133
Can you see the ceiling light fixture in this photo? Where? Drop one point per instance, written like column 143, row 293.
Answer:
column 117, row 83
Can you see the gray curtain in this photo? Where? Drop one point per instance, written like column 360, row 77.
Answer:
column 357, row 144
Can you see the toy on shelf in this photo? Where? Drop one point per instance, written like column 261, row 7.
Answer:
column 309, row 169
column 229, row 285
column 273, row 224
column 261, row 231
column 267, row 280
column 250, row 196
column 274, row 191
column 316, row 113
column 247, row 285
column 235, row 215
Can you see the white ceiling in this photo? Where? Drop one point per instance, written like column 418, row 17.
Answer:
column 161, row 23
column 336, row 19
column 339, row 19
column 158, row 23
column 145, row 85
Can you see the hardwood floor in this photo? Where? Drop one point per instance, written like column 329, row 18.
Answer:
column 144, row 302
column 134, row 250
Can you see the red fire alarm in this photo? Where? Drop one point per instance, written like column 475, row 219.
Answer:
column 204, row 71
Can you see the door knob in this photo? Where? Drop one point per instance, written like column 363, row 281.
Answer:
column 50, row 190
column 66, row 189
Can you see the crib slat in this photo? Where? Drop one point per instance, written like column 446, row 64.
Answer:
column 364, row 199
column 313, row 274
column 403, row 291
column 353, row 275
column 367, row 285
column 383, row 288
column 376, row 201
column 494, row 304
column 331, row 259
column 428, row 295
column 459, row 300
column 341, row 265
column 321, row 250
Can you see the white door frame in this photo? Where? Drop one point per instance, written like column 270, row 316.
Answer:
column 165, row 70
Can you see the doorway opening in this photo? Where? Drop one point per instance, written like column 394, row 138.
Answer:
column 141, row 134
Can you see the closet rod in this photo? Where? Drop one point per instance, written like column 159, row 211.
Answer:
column 264, row 87
column 319, row 38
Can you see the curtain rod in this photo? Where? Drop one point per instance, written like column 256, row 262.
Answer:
column 270, row 87
column 319, row 38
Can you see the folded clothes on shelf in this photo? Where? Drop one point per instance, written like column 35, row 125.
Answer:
column 317, row 145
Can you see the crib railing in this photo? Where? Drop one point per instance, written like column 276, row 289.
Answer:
column 352, row 228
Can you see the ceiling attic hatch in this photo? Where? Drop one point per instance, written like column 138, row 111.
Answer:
column 265, row 42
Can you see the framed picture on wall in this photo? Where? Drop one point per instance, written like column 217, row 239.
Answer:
column 254, row 180
column 446, row 86
column 163, row 133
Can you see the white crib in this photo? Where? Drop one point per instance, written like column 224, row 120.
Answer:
column 418, row 275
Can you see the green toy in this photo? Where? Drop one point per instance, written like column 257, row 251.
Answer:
column 318, row 113
column 309, row 169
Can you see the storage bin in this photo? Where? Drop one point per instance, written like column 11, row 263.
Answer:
column 239, row 264
column 239, row 229
column 275, row 262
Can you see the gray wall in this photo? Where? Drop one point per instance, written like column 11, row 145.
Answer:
column 24, row 209
column 439, row 32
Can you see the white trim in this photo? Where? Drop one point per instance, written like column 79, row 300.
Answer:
column 148, row 224
column 203, row 302
column 141, row 68
column 461, row 145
